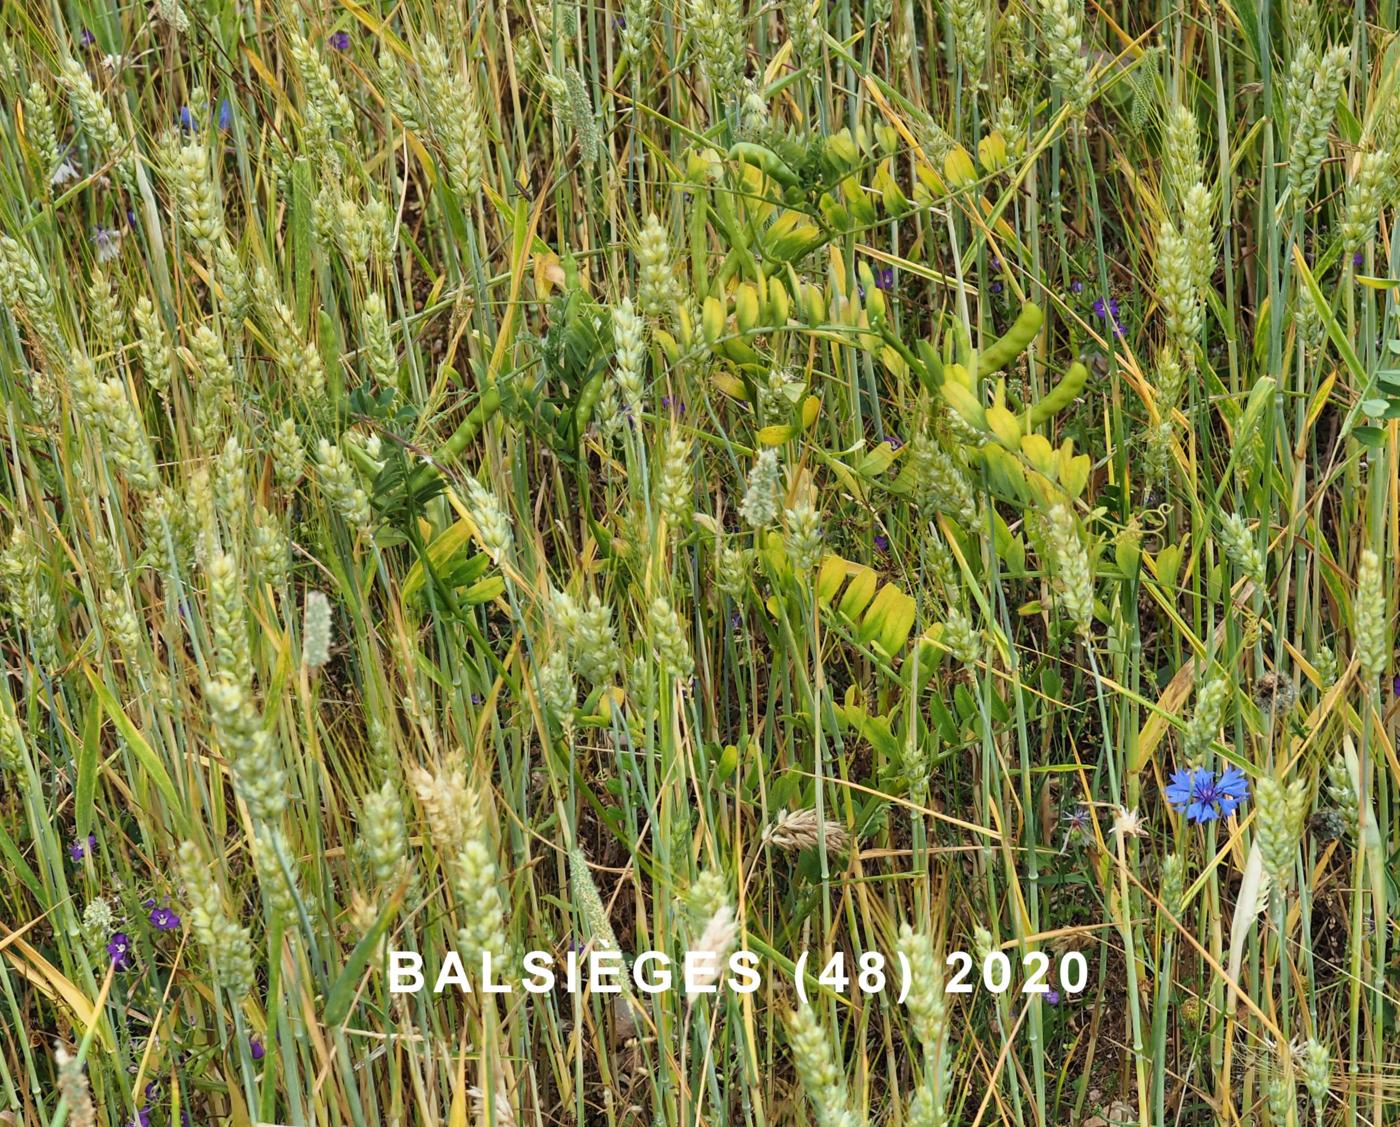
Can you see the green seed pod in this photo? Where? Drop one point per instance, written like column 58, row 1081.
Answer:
column 1013, row 342
column 1061, row 395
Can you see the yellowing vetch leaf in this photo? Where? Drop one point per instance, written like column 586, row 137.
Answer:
column 1073, row 471
column 1036, row 449
column 1004, row 425
column 958, row 167
column 830, row 577
column 484, row 590
column 889, row 619
column 442, row 549
column 894, row 363
column 965, row 403
column 859, row 591
column 777, row 434
column 877, row 461
column 1006, row 471
column 811, row 409
column 873, row 622
column 731, row 385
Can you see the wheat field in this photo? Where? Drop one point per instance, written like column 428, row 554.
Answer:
column 884, row 511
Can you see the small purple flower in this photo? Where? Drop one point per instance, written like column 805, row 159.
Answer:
column 255, row 1047
column 996, row 287
column 1395, row 686
column 1357, row 259
column 1103, row 310
column 736, row 619
column 163, row 919
column 1077, row 820
column 882, row 543
column 86, row 38
column 339, row 41
column 1076, row 286
column 670, row 404
column 141, row 1119
column 106, row 243
column 895, row 442
column 884, row 280
column 225, row 114
column 1052, row 997
column 78, row 850
column 152, row 1090
column 119, row 947
column 477, row 698
column 186, row 118
column 1108, row 311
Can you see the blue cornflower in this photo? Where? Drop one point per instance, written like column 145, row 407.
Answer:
column 1203, row 797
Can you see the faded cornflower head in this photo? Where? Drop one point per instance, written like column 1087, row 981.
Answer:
column 803, row 828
